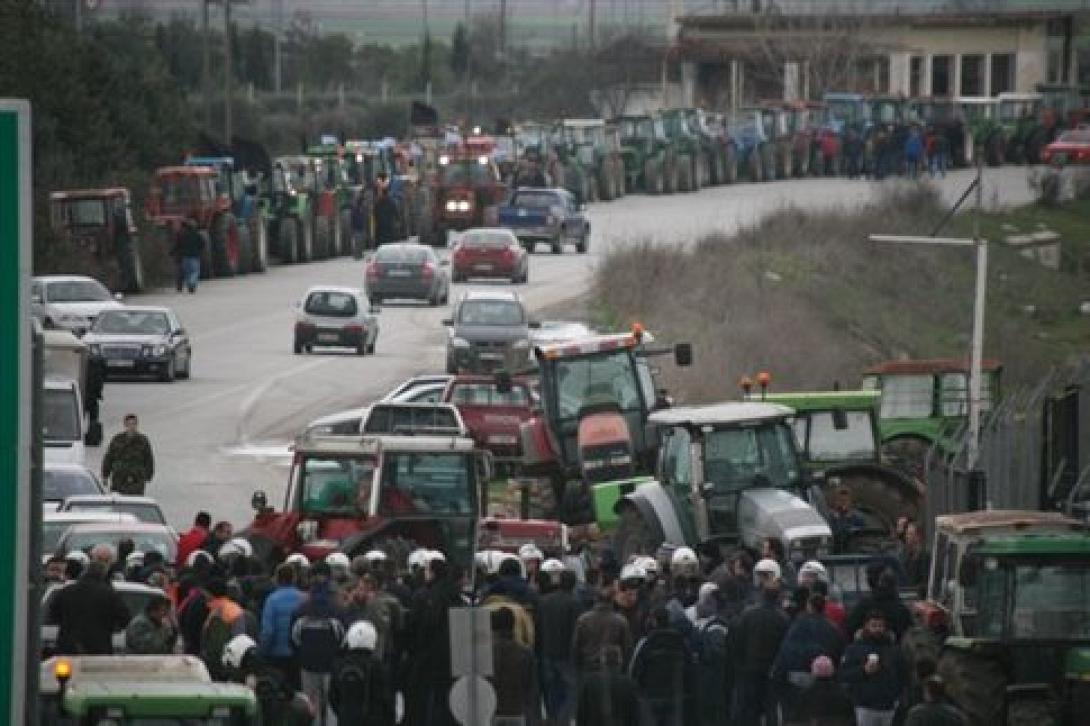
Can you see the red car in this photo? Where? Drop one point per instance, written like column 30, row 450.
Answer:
column 1070, row 147
column 490, row 252
column 492, row 416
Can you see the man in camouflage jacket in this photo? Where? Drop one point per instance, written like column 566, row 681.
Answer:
column 128, row 465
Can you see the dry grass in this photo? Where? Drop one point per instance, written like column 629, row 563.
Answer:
column 806, row 296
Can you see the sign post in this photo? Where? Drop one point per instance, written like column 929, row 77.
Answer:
column 15, row 405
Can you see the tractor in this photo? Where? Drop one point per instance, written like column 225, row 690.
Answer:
column 694, row 160
column 1007, row 616
column 391, row 492
column 335, row 180
column 924, row 404
column 848, row 116
column 248, row 211
column 292, row 208
column 1029, row 126
column 98, row 224
column 724, row 151
column 194, row 192
column 753, row 141
column 942, row 116
column 984, row 133
column 650, row 159
column 587, row 145
column 465, row 192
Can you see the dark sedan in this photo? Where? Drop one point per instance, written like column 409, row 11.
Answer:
column 141, row 341
column 407, row 270
column 488, row 252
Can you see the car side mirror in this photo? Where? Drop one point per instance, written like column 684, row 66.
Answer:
column 683, row 354
column 259, row 501
column 448, row 322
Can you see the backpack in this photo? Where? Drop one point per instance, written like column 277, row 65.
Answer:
column 353, row 684
column 215, row 635
column 711, row 643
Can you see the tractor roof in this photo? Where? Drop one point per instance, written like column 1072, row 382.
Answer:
column 824, row 400
column 927, row 366
column 164, row 171
column 126, row 668
column 732, row 412
column 587, row 346
column 89, row 194
column 372, row 445
column 1010, row 519
column 1038, row 544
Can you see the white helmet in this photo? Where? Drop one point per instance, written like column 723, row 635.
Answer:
column 531, row 551
column 633, row 572
column 78, row 556
column 134, row 559
column 552, row 565
column 229, row 549
column 243, row 545
column 196, row 555
column 373, row 556
column 431, row 556
column 683, row 558
column 767, row 567
column 361, row 635
column 236, row 649
column 338, row 561
column 649, row 564
column 417, row 558
column 815, row 569
column 297, row 558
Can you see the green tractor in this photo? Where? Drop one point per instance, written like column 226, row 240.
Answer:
column 925, row 405
column 587, row 148
column 1028, row 124
column 1007, row 617
column 984, row 132
column 694, row 159
column 336, row 181
column 292, row 208
column 650, row 159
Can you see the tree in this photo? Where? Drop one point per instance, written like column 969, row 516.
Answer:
column 425, row 62
column 459, row 50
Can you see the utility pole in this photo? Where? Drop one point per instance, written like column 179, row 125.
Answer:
column 503, row 27
column 227, row 71
column 590, row 23
column 278, row 22
column 469, row 66
column 206, row 89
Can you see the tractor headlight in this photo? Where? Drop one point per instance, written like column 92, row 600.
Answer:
column 463, row 206
column 452, row 206
column 459, row 343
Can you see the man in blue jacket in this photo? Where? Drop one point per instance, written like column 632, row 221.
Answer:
column 276, row 622
column 874, row 673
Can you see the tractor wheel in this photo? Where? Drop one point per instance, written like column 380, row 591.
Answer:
column 245, row 250
column 260, row 235
column 909, row 455
column 976, row 684
column 225, row 246
column 684, row 174
column 756, row 166
column 306, row 242
column 885, row 494
column 289, row 240
column 730, row 164
column 768, row 161
column 652, row 177
column 634, row 536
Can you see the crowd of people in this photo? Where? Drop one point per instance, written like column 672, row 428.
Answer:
column 668, row 641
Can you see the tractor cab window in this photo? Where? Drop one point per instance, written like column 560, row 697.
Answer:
column 604, row 378
column 954, row 393
column 1051, row 601
column 677, row 465
column 907, row 396
column 83, row 213
column 335, row 486
column 751, row 456
column 467, row 172
column 427, row 483
column 818, row 434
column 183, row 192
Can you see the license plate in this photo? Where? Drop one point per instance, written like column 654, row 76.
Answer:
column 483, row 268
column 120, row 363
column 328, row 337
column 399, row 273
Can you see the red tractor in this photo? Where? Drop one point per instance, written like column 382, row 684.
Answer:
column 181, row 192
column 98, row 224
column 467, row 189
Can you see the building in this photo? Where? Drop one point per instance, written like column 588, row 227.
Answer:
column 723, row 59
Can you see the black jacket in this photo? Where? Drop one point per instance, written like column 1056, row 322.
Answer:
column 361, row 691
column 662, row 667
column 189, row 242
column 514, row 676
column 88, row 612
column 824, row 703
column 880, row 690
column 607, row 698
column 756, row 636
column 558, row 614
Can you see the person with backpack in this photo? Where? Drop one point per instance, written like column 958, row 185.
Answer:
column 317, row 632
column 662, row 667
column 226, row 620
column 709, row 639
column 279, row 703
column 360, row 689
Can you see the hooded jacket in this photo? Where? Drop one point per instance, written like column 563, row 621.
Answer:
column 883, row 689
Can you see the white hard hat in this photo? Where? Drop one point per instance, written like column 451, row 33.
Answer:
column 339, row 560
column 297, row 558
column 431, row 556
column 78, row 556
column 361, row 635
column 633, row 572
column 135, row 558
column 649, row 564
column 195, row 555
column 375, row 556
column 243, row 546
column 815, row 568
column 552, row 565
column 530, row 551
column 236, row 649
column 684, row 557
column 767, row 567
column 417, row 558
column 228, row 549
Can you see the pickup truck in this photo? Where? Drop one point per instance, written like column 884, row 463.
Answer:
column 546, row 215
column 493, row 417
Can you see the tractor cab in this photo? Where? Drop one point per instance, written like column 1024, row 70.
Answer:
column 847, row 110
column 230, row 181
column 364, row 161
column 385, row 492
column 99, row 225
column 186, row 191
column 583, row 138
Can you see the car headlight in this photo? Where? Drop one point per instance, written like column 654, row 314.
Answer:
column 463, row 206
column 459, row 343
column 452, row 206
column 159, row 349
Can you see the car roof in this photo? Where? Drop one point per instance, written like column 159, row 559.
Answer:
column 112, row 497
column 90, row 517
column 721, row 413
column 354, row 291
column 491, row 295
column 144, row 309
column 66, row 278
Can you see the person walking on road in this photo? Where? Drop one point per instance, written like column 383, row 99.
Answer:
column 360, row 690
column 88, row 613
column 317, row 633
column 276, row 624
column 874, row 673
column 152, row 632
column 188, row 248
column 129, row 464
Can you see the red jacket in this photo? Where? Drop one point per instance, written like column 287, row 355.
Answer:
column 189, row 543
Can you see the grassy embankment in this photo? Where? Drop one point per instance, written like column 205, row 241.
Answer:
column 807, row 297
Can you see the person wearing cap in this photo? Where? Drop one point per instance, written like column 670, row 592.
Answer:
column 810, row 635
column 874, row 672
column 277, row 617
column 153, row 631
column 276, row 697
column 75, row 562
column 531, row 557
column 559, row 612
column 754, row 643
column 823, row 701
column 361, row 691
column 598, row 629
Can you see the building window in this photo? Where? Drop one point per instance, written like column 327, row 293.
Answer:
column 972, row 75
column 940, row 75
column 881, row 74
column 1003, row 67
column 1056, row 65
column 915, row 76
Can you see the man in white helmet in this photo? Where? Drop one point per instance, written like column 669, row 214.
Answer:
column 275, row 694
column 532, row 557
column 361, row 692
column 756, row 639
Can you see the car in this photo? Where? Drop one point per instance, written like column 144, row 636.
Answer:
column 389, row 417
column 145, row 509
column 488, row 331
column 141, row 340
column 494, row 412
column 489, row 252
column 552, row 216
column 70, row 302
column 419, row 389
column 335, row 316
column 135, row 595
column 55, row 524
column 61, row 481
column 1070, row 147
column 145, row 536
column 407, row 270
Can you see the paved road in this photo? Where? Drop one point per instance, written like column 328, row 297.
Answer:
column 223, row 434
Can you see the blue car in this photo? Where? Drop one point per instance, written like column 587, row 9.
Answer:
column 546, row 215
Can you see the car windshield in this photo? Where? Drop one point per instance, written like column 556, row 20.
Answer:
column 427, row 483
column 466, row 172
column 817, row 434
column 535, row 200
column 740, row 458
column 337, row 486
column 143, row 511
column 602, row 378
column 1080, row 136
column 158, row 540
column 84, row 212
column 51, row 535
column 488, row 394
column 60, row 414
column 491, row 312
column 386, row 419
column 76, row 291
column 58, row 484
column 131, row 322
column 487, row 240
column 331, row 304
column 1051, row 600
column 410, row 254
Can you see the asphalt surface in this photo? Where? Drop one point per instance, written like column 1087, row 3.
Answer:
column 224, row 434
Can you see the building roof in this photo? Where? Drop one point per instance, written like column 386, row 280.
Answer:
column 732, row 412
column 927, row 366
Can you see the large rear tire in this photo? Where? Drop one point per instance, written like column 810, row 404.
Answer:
column 225, row 246
column 909, row 455
column 635, row 535
column 260, row 235
column 306, row 241
column 975, row 683
column 289, row 240
column 245, row 250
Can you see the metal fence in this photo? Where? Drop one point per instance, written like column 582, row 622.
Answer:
column 1034, row 451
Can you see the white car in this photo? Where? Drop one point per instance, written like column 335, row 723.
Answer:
column 71, row 302
column 420, row 389
column 61, row 481
column 389, row 417
column 338, row 317
column 55, row 524
column 145, row 509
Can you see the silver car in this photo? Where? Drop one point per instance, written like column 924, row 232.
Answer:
column 335, row 316
column 136, row 597
column 407, row 270
column 69, row 302
column 141, row 340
